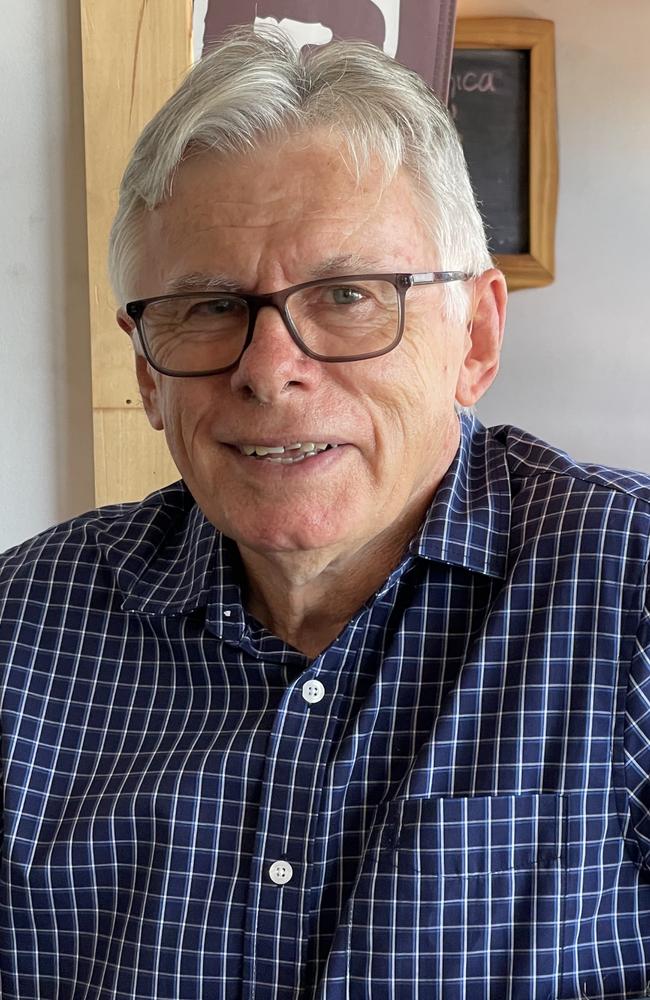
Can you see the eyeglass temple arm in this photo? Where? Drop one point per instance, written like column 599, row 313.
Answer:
column 437, row 277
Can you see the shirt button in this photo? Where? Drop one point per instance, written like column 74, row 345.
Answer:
column 313, row 691
column 281, row 872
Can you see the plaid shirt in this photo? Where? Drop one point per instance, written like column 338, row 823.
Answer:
column 451, row 802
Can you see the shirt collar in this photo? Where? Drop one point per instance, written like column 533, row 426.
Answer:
column 168, row 558
column 468, row 522
column 176, row 561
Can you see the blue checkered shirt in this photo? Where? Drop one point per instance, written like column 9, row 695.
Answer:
column 450, row 802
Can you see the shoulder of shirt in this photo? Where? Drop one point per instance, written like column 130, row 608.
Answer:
column 529, row 459
column 115, row 532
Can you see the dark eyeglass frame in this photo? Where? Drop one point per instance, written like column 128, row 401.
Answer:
column 400, row 281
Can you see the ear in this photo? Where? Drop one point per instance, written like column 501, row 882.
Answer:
column 144, row 373
column 484, row 337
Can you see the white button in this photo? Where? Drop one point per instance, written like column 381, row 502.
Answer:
column 313, row 691
column 227, row 614
column 281, row 872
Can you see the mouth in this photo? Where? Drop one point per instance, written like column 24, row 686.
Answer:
column 289, row 454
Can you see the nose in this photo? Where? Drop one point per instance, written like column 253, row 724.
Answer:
column 273, row 365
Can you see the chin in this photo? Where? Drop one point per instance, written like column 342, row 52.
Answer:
column 277, row 535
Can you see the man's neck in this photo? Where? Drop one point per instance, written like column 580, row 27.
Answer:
column 306, row 598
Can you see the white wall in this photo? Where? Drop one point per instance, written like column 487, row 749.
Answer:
column 45, row 408
column 576, row 357
column 576, row 360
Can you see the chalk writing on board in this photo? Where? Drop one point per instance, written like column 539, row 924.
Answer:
column 489, row 99
column 470, row 82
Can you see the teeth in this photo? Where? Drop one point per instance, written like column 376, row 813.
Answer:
column 306, row 448
column 264, row 451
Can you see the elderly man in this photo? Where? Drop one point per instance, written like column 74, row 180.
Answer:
column 361, row 707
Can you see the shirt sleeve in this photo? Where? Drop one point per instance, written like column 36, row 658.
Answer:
column 636, row 743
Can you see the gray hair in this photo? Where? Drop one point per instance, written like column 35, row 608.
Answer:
column 257, row 86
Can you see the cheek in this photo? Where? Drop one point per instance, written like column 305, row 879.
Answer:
column 403, row 412
column 185, row 416
column 412, row 400
column 172, row 410
column 425, row 369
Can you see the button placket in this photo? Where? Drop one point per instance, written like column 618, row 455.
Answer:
column 278, row 894
column 279, row 890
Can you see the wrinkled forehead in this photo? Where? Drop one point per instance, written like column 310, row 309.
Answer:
column 299, row 203
column 312, row 169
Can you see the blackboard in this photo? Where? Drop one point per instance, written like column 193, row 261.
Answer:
column 490, row 102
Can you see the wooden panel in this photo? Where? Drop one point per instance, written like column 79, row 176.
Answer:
column 131, row 459
column 135, row 53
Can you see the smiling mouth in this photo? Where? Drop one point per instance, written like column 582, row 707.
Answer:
column 289, row 454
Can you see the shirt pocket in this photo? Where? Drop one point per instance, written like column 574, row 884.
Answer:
column 461, row 899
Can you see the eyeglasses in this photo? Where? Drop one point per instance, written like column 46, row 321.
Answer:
column 349, row 318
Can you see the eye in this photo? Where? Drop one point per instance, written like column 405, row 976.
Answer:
column 214, row 307
column 346, row 295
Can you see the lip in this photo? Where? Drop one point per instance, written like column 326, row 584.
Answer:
column 284, row 442
column 262, row 466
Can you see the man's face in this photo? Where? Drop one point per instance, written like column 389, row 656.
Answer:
column 277, row 217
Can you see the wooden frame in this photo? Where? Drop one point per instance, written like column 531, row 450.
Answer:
column 536, row 268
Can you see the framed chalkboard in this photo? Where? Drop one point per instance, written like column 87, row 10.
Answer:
column 502, row 98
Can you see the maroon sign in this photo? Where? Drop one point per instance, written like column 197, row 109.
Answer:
column 418, row 33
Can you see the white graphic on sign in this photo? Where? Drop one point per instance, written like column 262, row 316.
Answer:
column 302, row 32
column 390, row 10
column 199, row 14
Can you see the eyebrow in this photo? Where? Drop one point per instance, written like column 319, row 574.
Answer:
column 200, row 281
column 343, row 264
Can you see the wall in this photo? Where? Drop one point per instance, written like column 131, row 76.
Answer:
column 45, row 442
column 576, row 357
column 577, row 354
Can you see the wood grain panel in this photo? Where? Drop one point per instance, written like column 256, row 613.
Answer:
column 131, row 459
column 135, row 53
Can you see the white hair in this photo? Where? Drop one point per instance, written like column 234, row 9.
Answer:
column 257, row 86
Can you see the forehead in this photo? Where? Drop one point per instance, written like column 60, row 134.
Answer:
column 278, row 212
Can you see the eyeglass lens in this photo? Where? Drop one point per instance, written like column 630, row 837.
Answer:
column 194, row 333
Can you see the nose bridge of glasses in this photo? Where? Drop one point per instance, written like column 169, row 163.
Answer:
column 270, row 300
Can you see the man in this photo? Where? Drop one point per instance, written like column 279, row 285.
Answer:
column 360, row 708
